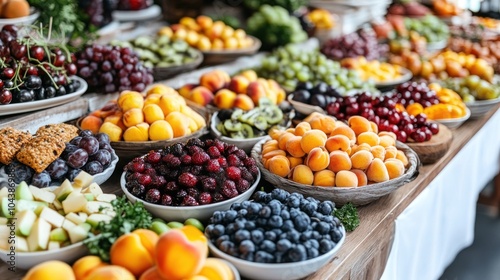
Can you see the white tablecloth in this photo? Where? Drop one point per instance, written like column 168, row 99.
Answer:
column 439, row 223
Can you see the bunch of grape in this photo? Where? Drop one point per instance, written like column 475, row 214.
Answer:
column 362, row 43
column 33, row 70
column 290, row 64
column 113, row 68
column 411, row 92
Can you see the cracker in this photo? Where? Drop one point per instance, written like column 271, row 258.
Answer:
column 65, row 132
column 11, row 141
column 40, row 152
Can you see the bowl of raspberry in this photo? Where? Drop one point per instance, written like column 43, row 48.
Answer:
column 191, row 180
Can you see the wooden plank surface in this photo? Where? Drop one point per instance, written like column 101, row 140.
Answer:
column 365, row 251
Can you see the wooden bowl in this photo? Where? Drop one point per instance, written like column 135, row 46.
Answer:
column 163, row 73
column 357, row 195
column 213, row 57
column 434, row 149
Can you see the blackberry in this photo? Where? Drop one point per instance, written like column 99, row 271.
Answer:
column 177, row 149
column 138, row 190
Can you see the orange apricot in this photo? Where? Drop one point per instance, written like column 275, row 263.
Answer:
column 387, row 141
column 378, row 152
column 302, row 174
column 275, row 133
column 390, row 152
column 395, row 168
column 317, row 159
column 338, row 142
column 362, row 179
column 312, row 139
column 273, row 153
column 293, row 146
column 388, row 133
column 361, row 159
column 346, row 179
column 85, row 265
column 359, row 124
column 377, row 172
column 324, row 178
column 355, row 148
column 151, row 274
column 279, row 165
column 283, row 139
column 110, row 272
column 346, row 131
column 374, row 127
column 91, row 123
column 339, row 160
column 368, row 137
column 294, row 161
column 402, row 157
column 302, row 128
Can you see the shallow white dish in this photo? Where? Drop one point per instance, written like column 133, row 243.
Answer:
column 406, row 75
column 479, row 107
column 27, row 20
column 102, row 177
column 304, row 108
column 181, row 213
column 17, row 108
column 456, row 122
column 26, row 260
column 140, row 15
column 288, row 271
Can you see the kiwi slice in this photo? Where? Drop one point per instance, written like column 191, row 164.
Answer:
column 265, row 101
column 273, row 114
column 247, row 130
column 260, row 123
column 249, row 117
column 232, row 126
column 237, row 113
column 237, row 135
column 220, row 127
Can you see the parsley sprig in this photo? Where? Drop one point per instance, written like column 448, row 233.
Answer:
column 348, row 215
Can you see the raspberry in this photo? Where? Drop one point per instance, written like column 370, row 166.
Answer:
column 245, row 174
column 209, row 184
column 195, row 150
column 233, row 160
column 187, row 179
column 153, row 196
column 241, row 154
column 230, row 149
column 144, row 179
column 133, row 176
column 220, row 145
column 172, row 186
column 213, row 166
column 189, row 201
column 199, row 158
column 195, row 142
column 213, row 152
column 242, row 185
column 186, row 159
column 157, row 181
column 229, row 189
column 205, row 198
column 254, row 170
column 194, row 192
column 166, row 158
column 166, row 200
column 153, row 157
column 233, row 173
column 217, row 197
column 171, row 160
column 209, row 142
column 137, row 165
column 222, row 162
column 150, row 171
column 249, row 161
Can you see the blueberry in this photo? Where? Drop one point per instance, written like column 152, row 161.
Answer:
column 259, row 196
column 239, row 225
column 275, row 221
column 229, row 216
column 336, row 221
column 314, row 243
column 265, row 212
column 305, row 236
column 246, row 246
column 248, row 256
column 279, row 194
column 263, row 257
column 325, row 246
column 322, row 228
column 230, row 228
column 312, row 199
column 293, row 236
column 285, row 215
column 209, row 229
column 235, row 206
column 277, row 231
column 278, row 257
column 245, row 204
column 261, row 222
column 283, row 245
column 297, row 195
column 217, row 217
column 242, row 213
column 275, row 206
column 318, row 216
column 268, row 246
column 218, row 230
column 329, row 220
column 301, row 222
column 316, row 235
column 226, row 245
column 297, row 253
column 253, row 209
column 326, row 207
column 241, row 235
column 250, row 225
column 294, row 213
column 287, row 225
column 308, row 207
column 270, row 235
column 312, row 253
column 220, row 239
column 292, row 202
column 257, row 236
column 336, row 235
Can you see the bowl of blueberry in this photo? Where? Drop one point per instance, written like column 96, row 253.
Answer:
column 277, row 235
column 191, row 180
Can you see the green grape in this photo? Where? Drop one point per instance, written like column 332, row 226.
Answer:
column 296, row 66
column 303, row 76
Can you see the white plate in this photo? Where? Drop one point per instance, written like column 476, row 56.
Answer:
column 479, row 107
column 140, row 15
column 456, row 122
column 27, row 20
column 17, row 108
column 304, row 108
column 406, row 75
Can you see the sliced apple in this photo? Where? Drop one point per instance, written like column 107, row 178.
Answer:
column 67, row 224
column 25, row 221
column 75, row 218
column 82, row 180
column 106, row 197
column 94, row 188
column 57, row 205
column 4, row 237
column 39, row 235
column 89, row 196
column 59, row 235
column 23, row 192
column 97, row 206
column 6, row 210
column 42, row 195
column 75, row 202
column 36, row 206
column 53, row 245
column 79, row 232
column 4, row 192
column 94, row 219
column 3, row 220
column 83, row 215
column 63, row 190
column 21, row 244
column 52, row 216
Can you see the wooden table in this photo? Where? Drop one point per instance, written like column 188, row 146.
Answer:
column 365, row 251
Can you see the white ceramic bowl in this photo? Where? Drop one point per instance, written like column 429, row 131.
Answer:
column 102, row 177
column 244, row 144
column 303, row 108
column 456, row 122
column 26, row 260
column 278, row 271
column 27, row 20
column 479, row 107
column 181, row 213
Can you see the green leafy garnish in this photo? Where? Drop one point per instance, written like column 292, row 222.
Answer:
column 129, row 216
column 348, row 215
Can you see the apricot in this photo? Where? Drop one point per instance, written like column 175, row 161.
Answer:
column 111, row 272
column 151, row 274
column 355, row 148
column 339, row 160
column 402, row 157
column 323, row 123
column 302, row 128
column 185, row 90
column 130, row 100
column 153, row 98
column 283, row 139
column 390, row 152
column 214, row 80
column 53, row 270
column 312, row 139
column 239, row 84
column 133, row 117
column 273, row 153
column 139, row 132
column 270, row 146
column 244, row 102
column 346, row 179
column 362, row 179
column 368, row 137
column 204, row 22
column 256, row 91
column 388, row 133
column 291, row 130
column 171, row 103
column 324, row 178
column 251, row 75
column 216, row 269
column 387, row 141
column 91, row 123
column 112, row 130
column 312, row 116
column 302, row 174
column 152, row 113
column 344, row 130
column 16, row 9
column 293, row 147
column 374, row 127
column 395, row 168
column 275, row 133
column 377, row 172
column 378, row 152
column 224, row 99
column 134, row 251
column 179, row 123
column 198, row 119
column 359, row 124
column 181, row 253
column 338, row 142
column 361, row 159
column 318, row 159
column 160, row 89
column 116, row 118
column 279, row 165
column 294, row 161
column 85, row 265
column 201, row 95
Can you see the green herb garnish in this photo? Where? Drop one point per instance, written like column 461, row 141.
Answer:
column 348, row 215
column 129, row 216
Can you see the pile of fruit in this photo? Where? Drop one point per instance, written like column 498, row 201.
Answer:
column 276, row 227
column 408, row 8
column 290, row 65
column 362, row 43
column 387, row 115
column 205, row 34
column 429, row 26
column 472, row 88
column 242, row 91
column 196, row 173
column 321, row 19
column 321, row 151
column 487, row 50
column 473, row 32
column 446, row 8
column 160, row 114
column 160, row 51
column 14, row 9
column 487, row 22
column 33, row 68
column 373, row 70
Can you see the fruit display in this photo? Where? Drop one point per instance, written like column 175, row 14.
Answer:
column 408, row 8
column 443, row 65
column 159, row 114
column 199, row 172
column 290, row 5
column 487, row 50
column 321, row 151
column 33, row 69
column 384, row 112
column 362, row 43
column 207, row 35
column 242, row 91
column 373, row 70
column 160, row 51
column 290, row 65
column 321, row 19
column 487, row 22
column 474, row 32
column 52, row 219
column 446, row 8
column 276, row 227
column 274, row 26
column 429, row 26
column 111, row 68
column 472, row 88
column 133, row 5
column 14, row 9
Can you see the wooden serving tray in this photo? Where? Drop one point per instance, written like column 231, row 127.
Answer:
column 434, row 149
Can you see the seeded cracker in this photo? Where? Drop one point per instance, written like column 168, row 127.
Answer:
column 11, row 140
column 41, row 151
column 62, row 131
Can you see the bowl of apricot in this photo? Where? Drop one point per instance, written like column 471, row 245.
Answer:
column 330, row 160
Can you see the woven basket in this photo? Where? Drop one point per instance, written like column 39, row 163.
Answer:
column 357, row 196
